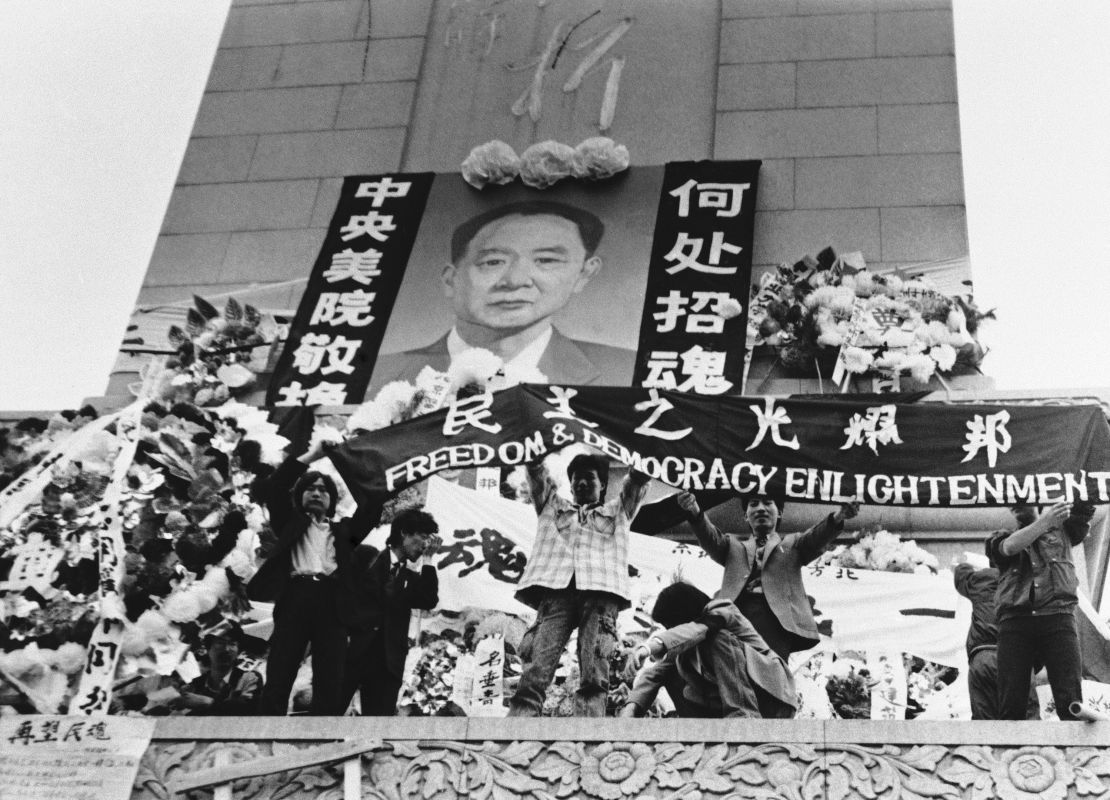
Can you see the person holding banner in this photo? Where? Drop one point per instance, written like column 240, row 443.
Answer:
column 400, row 579
column 1037, row 597
column 512, row 269
column 576, row 577
column 763, row 578
column 308, row 578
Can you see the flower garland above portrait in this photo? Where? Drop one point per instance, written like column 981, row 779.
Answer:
column 544, row 164
column 828, row 308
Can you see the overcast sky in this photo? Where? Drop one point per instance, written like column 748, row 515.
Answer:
column 99, row 97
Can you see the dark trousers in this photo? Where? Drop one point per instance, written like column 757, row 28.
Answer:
column 306, row 613
column 367, row 673
column 1052, row 640
column 594, row 614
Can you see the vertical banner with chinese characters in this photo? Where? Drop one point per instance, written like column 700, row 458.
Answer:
column 694, row 325
column 334, row 339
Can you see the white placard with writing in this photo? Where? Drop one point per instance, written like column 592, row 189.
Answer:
column 1096, row 696
column 71, row 758
column 488, row 692
column 888, row 695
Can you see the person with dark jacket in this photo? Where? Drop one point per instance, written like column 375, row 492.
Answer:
column 401, row 578
column 308, row 578
column 1037, row 596
column 980, row 586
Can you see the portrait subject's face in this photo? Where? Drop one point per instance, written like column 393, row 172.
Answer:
column 517, row 271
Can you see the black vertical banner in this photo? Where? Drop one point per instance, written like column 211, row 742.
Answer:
column 334, row 339
column 694, row 327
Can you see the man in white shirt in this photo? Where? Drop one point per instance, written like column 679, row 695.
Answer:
column 512, row 268
column 308, row 578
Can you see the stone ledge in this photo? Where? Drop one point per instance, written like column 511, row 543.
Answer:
column 317, row 729
column 614, row 759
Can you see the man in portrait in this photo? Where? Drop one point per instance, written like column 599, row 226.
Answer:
column 512, row 269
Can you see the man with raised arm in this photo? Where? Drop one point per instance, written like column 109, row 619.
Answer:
column 308, row 578
column 576, row 577
column 763, row 580
column 1037, row 596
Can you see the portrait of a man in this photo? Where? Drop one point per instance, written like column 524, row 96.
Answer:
column 512, row 268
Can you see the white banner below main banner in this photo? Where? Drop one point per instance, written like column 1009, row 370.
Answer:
column 484, row 537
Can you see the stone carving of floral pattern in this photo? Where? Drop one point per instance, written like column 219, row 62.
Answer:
column 431, row 770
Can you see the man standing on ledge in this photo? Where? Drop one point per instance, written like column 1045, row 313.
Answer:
column 576, row 577
column 763, row 577
column 308, row 578
column 512, row 269
column 402, row 578
column 1037, row 596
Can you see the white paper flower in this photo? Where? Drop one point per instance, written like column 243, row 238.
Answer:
column 392, row 404
column 182, row 606
column 599, row 157
column 728, row 307
column 205, row 596
column 891, row 361
column 896, row 337
column 239, row 563
column 838, row 299
column 493, row 162
column 921, row 367
column 546, row 163
column 235, row 376
column 475, row 365
column 215, row 580
column 857, row 360
column 944, row 355
column 863, row 283
column 70, row 658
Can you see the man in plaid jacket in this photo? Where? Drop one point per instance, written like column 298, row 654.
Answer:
column 576, row 577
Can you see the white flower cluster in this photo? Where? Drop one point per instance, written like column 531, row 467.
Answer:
column 398, row 401
column 883, row 551
column 545, row 163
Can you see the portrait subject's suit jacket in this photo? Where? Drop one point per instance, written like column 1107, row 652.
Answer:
column 564, row 361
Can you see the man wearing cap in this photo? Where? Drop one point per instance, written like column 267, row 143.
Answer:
column 576, row 577
column 1037, row 597
column 223, row 688
column 763, row 578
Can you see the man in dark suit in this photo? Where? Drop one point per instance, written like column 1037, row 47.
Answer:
column 401, row 578
column 763, row 577
column 512, row 268
column 308, row 578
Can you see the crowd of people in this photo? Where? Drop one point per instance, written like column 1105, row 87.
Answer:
column 349, row 605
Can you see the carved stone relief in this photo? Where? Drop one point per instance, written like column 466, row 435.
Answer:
column 658, row 771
